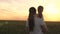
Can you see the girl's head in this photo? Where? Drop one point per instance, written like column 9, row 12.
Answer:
column 32, row 12
column 40, row 10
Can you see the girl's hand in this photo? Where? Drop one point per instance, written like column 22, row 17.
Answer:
column 27, row 30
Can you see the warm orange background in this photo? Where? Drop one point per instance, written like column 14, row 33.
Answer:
column 18, row 9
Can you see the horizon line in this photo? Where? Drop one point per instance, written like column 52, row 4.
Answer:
column 25, row 20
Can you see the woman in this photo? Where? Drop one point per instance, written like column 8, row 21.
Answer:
column 43, row 28
column 30, row 23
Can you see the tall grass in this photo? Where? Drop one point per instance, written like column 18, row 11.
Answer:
column 17, row 27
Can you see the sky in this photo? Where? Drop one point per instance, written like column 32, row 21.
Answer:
column 19, row 9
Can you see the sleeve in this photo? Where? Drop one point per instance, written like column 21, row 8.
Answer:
column 26, row 23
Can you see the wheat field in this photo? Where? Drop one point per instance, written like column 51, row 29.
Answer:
column 18, row 27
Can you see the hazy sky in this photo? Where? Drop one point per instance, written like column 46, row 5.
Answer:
column 19, row 9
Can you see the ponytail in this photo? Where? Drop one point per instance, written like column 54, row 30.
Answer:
column 31, row 21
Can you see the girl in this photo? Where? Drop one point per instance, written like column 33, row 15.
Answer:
column 43, row 28
column 30, row 23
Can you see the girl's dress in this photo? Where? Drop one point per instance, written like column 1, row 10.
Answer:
column 37, row 27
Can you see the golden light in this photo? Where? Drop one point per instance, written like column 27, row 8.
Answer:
column 19, row 9
column 51, row 13
column 51, row 9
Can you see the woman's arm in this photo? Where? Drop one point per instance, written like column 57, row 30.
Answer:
column 27, row 30
column 44, row 28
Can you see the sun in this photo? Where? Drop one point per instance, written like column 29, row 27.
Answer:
column 51, row 9
column 51, row 13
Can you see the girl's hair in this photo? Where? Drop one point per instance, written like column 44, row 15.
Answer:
column 40, row 7
column 41, row 10
column 31, row 21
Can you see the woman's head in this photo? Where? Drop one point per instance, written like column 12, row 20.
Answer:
column 40, row 10
column 32, row 12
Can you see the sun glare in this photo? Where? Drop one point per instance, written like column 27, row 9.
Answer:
column 19, row 9
column 51, row 13
column 51, row 9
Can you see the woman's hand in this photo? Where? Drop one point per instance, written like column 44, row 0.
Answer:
column 27, row 30
column 44, row 29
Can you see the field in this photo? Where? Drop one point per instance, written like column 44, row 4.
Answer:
column 17, row 27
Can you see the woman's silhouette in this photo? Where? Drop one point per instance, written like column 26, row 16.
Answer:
column 41, row 21
column 30, row 23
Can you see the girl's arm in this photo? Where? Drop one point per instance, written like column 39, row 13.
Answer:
column 27, row 30
column 44, row 28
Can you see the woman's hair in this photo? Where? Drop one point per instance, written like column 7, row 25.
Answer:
column 40, row 10
column 32, row 11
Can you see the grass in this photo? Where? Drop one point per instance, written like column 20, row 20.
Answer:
column 53, row 28
column 13, row 27
column 17, row 27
